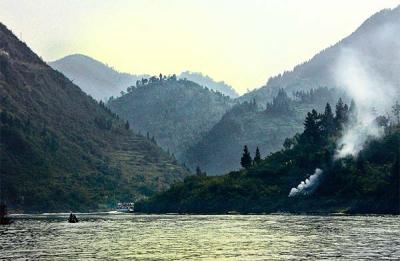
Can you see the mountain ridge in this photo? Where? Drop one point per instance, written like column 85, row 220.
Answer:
column 62, row 150
column 308, row 74
column 94, row 77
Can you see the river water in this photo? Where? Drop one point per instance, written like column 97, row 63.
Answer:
column 200, row 237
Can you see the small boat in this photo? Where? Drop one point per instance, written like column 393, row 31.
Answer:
column 72, row 218
column 4, row 219
column 128, row 207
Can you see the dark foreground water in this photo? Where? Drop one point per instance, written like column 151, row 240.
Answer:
column 187, row 237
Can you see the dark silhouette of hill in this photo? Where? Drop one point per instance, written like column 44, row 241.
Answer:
column 62, row 150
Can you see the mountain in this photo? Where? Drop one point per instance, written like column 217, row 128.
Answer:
column 60, row 149
column 254, row 125
column 95, row 78
column 207, row 81
column 304, row 177
column 364, row 66
column 177, row 112
column 376, row 43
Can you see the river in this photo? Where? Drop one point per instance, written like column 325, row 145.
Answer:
column 200, row 237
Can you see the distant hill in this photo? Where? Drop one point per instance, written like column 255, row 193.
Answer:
column 176, row 112
column 60, row 149
column 252, row 124
column 101, row 81
column 376, row 42
column 207, row 81
column 95, row 78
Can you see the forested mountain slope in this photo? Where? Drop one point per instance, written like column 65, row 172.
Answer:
column 62, row 150
column 256, row 125
column 306, row 176
column 177, row 112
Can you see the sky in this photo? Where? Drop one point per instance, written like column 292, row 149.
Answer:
column 242, row 42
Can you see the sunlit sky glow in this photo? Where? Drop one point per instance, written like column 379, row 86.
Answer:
column 241, row 42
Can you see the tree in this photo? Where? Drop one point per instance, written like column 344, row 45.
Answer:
column 200, row 173
column 281, row 103
column 396, row 111
column 312, row 126
column 127, row 125
column 287, row 144
column 246, row 160
column 328, row 120
column 340, row 114
column 257, row 157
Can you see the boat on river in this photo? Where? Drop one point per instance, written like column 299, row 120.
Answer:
column 126, row 207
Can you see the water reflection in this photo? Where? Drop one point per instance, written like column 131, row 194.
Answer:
column 178, row 237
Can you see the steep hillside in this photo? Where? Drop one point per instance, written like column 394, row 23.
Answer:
column 60, row 149
column 176, row 112
column 219, row 151
column 304, row 177
column 95, row 78
column 206, row 81
column 376, row 42
column 366, row 62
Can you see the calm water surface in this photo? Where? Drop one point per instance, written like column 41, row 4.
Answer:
column 187, row 237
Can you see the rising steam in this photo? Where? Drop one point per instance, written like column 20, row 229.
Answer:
column 308, row 186
column 371, row 94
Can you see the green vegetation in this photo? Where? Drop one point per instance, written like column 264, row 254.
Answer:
column 366, row 183
column 257, row 125
column 60, row 149
column 177, row 112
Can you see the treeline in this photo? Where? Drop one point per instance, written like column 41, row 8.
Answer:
column 160, row 80
column 366, row 183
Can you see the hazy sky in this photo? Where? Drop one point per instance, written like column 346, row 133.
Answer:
column 242, row 42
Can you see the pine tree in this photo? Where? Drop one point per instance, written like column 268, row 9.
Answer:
column 311, row 126
column 127, row 125
column 246, row 160
column 328, row 120
column 257, row 157
column 340, row 118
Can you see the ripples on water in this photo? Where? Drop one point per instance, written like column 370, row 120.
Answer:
column 187, row 237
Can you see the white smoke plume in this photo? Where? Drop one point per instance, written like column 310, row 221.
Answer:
column 308, row 186
column 365, row 70
column 372, row 95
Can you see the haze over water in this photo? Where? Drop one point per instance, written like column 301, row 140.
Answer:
column 188, row 237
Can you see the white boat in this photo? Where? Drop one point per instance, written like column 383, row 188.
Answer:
column 128, row 207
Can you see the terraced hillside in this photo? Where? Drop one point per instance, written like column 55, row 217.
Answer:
column 62, row 150
column 177, row 112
